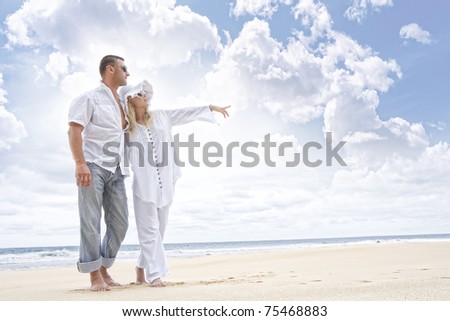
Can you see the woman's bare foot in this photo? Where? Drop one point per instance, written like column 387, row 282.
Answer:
column 97, row 282
column 107, row 278
column 157, row 283
column 140, row 276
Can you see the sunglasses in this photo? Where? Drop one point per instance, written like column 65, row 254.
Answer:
column 124, row 68
column 141, row 94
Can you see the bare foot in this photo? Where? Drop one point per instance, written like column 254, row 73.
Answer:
column 97, row 282
column 157, row 283
column 107, row 278
column 140, row 276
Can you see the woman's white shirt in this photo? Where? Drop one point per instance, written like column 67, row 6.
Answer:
column 151, row 153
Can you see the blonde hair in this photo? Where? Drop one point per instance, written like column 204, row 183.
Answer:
column 132, row 116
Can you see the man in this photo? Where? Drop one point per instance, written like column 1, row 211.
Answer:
column 97, row 119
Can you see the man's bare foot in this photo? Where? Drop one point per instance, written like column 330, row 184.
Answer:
column 157, row 283
column 140, row 276
column 97, row 282
column 107, row 278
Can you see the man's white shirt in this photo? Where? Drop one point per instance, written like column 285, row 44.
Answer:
column 103, row 137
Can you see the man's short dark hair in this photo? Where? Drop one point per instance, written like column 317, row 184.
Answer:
column 108, row 60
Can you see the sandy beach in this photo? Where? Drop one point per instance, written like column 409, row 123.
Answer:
column 405, row 271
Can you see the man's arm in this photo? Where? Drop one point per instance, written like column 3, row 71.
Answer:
column 82, row 172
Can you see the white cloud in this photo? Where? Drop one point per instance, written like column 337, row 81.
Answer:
column 3, row 99
column 255, row 69
column 12, row 130
column 314, row 17
column 31, row 12
column 319, row 70
column 263, row 8
column 77, row 82
column 440, row 125
column 415, row 32
column 138, row 30
column 58, row 65
column 394, row 139
column 400, row 185
column 33, row 205
column 358, row 10
column 362, row 137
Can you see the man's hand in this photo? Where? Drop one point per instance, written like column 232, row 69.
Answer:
column 82, row 172
column 222, row 110
column 83, row 175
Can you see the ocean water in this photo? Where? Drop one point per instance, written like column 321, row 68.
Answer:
column 63, row 256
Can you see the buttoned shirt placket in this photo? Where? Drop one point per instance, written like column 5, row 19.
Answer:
column 155, row 158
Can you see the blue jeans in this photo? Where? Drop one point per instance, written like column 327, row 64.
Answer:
column 107, row 190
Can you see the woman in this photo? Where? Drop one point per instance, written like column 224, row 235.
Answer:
column 151, row 156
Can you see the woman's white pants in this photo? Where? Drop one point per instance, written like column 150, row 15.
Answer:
column 151, row 224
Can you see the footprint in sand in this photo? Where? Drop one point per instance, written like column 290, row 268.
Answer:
column 211, row 282
column 174, row 283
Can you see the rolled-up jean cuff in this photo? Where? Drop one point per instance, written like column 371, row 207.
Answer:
column 88, row 267
column 108, row 262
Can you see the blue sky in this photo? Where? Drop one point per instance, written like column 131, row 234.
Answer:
column 374, row 73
